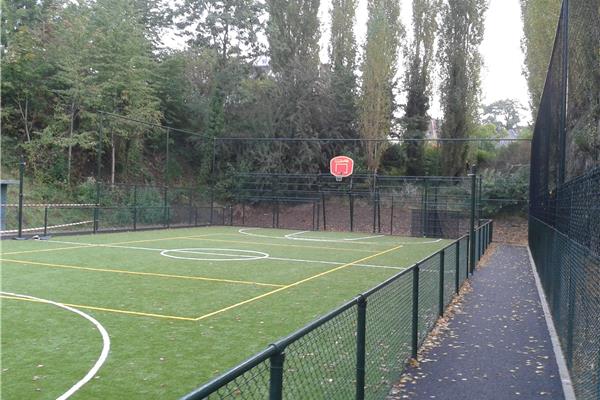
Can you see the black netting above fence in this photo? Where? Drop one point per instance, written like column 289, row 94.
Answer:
column 564, row 227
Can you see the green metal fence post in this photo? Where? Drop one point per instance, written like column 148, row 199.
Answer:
column 472, row 241
column 361, row 335
column 378, row 212
column 392, row 217
column 457, row 268
column 480, row 243
column 374, row 200
column 191, row 207
column 415, row 311
column 351, row 200
column 165, row 204
column 276, row 376
column 212, row 204
column 441, row 285
column 21, row 184
column 45, row 221
column 135, row 207
column 98, row 171
column 314, row 225
column 424, row 209
column 468, row 249
column 318, row 214
column 324, row 217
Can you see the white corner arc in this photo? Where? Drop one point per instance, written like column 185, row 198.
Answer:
column 105, row 341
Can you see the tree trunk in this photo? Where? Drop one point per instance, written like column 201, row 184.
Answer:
column 25, row 118
column 70, row 151
column 113, row 158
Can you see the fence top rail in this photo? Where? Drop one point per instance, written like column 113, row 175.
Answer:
column 280, row 345
column 325, row 140
column 353, row 177
column 109, row 185
column 223, row 379
column 53, row 205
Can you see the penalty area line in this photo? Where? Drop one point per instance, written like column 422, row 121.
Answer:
column 241, row 303
column 153, row 274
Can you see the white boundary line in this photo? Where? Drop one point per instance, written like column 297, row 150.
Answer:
column 105, row 342
column 563, row 371
column 41, row 228
column 291, row 236
column 233, row 257
column 245, row 258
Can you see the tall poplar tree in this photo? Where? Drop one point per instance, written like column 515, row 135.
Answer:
column 418, row 81
column 293, row 34
column 342, row 55
column 461, row 35
column 384, row 33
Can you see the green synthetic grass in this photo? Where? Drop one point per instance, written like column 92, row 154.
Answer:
column 173, row 323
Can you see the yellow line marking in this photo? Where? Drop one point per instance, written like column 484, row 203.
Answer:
column 120, row 271
column 88, row 245
column 296, row 283
column 44, row 250
column 277, row 244
column 143, row 314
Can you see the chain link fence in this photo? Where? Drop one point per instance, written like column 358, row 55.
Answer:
column 360, row 349
column 564, row 221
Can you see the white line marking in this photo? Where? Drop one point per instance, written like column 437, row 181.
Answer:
column 563, row 371
column 292, row 236
column 41, row 228
column 115, row 246
column 258, row 255
column 105, row 342
column 242, row 257
column 243, row 231
column 367, row 237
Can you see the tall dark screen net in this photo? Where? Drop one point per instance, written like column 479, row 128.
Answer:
column 564, row 222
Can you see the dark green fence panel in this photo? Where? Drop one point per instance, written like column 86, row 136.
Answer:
column 449, row 272
column 388, row 335
column 359, row 350
column 321, row 364
column 428, row 295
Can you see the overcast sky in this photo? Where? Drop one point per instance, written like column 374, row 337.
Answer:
column 502, row 76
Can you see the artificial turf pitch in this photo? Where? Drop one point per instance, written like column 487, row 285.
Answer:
column 180, row 306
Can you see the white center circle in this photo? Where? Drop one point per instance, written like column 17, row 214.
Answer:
column 212, row 254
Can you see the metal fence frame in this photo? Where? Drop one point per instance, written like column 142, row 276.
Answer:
column 273, row 357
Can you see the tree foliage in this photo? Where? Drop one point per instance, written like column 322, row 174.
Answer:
column 377, row 106
column 461, row 35
column 420, row 62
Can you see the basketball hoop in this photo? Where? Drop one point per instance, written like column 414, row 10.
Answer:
column 341, row 167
